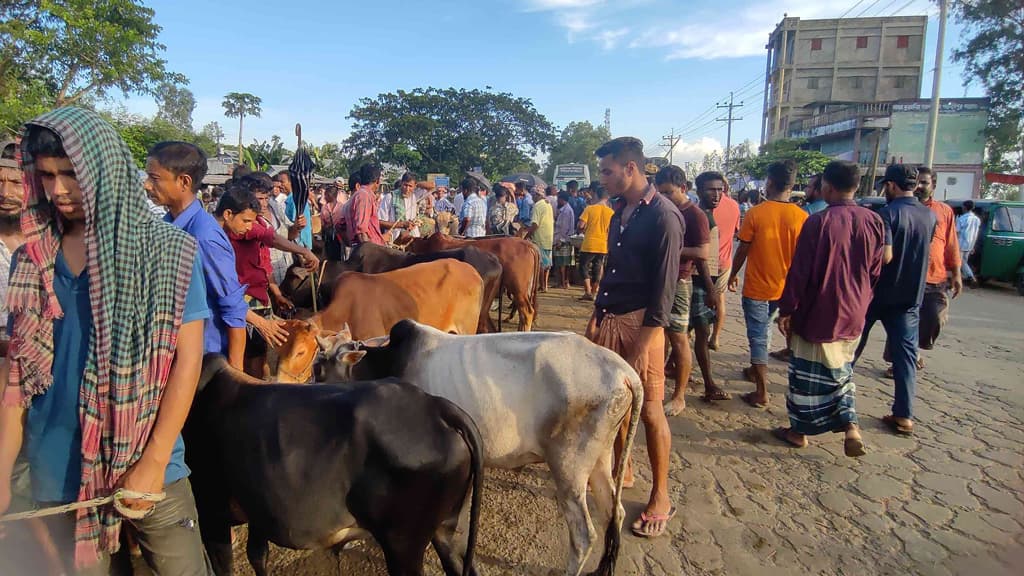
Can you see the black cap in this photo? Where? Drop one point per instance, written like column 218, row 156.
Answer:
column 905, row 177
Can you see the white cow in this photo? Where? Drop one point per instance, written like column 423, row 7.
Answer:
column 536, row 397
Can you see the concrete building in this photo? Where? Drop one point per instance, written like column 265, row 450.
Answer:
column 817, row 67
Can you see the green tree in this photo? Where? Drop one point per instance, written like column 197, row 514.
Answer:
column 266, row 154
column 991, row 52
column 213, row 131
column 448, row 130
column 576, row 144
column 239, row 105
column 330, row 159
column 175, row 105
column 809, row 162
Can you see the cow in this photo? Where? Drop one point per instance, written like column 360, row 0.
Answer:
column 520, row 267
column 375, row 259
column 312, row 467
column 540, row 397
column 446, row 294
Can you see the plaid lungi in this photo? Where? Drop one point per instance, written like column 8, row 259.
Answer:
column 821, row 389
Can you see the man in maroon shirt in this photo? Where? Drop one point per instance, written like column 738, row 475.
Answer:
column 671, row 182
column 251, row 240
column 838, row 259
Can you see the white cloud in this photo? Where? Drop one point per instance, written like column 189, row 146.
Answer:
column 695, row 151
column 725, row 29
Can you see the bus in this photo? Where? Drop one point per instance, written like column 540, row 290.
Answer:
column 566, row 172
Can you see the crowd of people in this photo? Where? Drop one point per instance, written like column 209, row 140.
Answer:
column 100, row 292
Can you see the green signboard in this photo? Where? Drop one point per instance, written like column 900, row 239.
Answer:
column 960, row 138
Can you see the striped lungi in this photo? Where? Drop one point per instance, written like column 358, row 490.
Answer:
column 821, row 389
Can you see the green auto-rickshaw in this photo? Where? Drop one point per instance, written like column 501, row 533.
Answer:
column 999, row 250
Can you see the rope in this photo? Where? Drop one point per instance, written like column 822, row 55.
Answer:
column 116, row 498
column 314, row 285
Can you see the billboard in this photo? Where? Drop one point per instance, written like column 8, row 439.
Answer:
column 960, row 139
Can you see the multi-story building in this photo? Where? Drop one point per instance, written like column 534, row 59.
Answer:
column 817, row 67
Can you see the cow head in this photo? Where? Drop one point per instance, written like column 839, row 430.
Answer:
column 338, row 358
column 298, row 354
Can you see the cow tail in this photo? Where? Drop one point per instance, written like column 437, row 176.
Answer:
column 461, row 422
column 612, row 535
column 536, row 282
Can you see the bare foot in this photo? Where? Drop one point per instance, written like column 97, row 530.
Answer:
column 675, row 406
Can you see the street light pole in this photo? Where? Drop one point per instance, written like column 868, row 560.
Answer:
column 933, row 120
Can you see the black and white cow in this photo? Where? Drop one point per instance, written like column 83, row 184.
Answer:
column 555, row 398
column 312, row 467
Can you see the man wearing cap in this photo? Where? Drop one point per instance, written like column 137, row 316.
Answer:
column 896, row 304
column 12, row 196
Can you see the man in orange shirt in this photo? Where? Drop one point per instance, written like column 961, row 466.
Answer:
column 767, row 242
column 713, row 190
column 943, row 262
column 594, row 224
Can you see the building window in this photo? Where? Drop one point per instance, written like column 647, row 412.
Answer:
column 815, row 44
column 862, row 41
column 812, row 83
column 903, row 41
column 856, row 82
column 902, row 81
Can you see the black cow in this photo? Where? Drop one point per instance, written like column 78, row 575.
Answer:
column 374, row 259
column 312, row 467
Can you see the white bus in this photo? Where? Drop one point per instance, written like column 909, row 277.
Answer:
column 566, row 172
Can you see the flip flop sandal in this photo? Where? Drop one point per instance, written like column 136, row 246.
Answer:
column 716, row 396
column 782, row 433
column 646, row 519
column 854, row 447
column 749, row 399
column 896, row 427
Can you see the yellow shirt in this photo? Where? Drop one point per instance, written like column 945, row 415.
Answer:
column 544, row 218
column 771, row 228
column 595, row 220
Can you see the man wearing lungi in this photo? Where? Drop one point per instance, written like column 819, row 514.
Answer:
column 838, row 259
column 634, row 303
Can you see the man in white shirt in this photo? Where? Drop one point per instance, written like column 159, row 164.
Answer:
column 967, row 226
column 473, row 214
column 400, row 207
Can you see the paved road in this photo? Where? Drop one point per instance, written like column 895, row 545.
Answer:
column 950, row 500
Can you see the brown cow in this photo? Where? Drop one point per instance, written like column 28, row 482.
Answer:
column 446, row 294
column 520, row 264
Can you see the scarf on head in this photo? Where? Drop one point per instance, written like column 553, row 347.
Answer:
column 139, row 271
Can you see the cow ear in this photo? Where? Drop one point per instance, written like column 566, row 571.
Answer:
column 345, row 334
column 324, row 343
column 376, row 342
column 352, row 357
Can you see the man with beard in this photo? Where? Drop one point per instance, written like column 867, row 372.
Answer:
column 11, row 197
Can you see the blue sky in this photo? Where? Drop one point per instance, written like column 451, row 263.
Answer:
column 658, row 64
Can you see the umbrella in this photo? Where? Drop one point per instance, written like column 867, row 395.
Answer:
column 301, row 172
column 531, row 180
column 479, row 178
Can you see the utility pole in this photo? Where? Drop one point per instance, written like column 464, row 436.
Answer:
column 671, row 140
column 933, row 119
column 729, row 119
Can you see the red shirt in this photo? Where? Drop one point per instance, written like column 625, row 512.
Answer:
column 696, row 232
column 361, row 217
column 727, row 217
column 252, row 259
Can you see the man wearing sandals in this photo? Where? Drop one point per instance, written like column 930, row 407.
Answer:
column 634, row 302
column 767, row 241
column 900, row 290
column 838, row 259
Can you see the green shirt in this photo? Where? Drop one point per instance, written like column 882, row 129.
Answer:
column 544, row 218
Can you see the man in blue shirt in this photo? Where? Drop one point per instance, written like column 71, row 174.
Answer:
column 900, row 289
column 174, row 172
column 301, row 229
column 106, row 325
column 525, row 204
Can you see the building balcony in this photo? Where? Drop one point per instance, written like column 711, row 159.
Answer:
column 875, row 115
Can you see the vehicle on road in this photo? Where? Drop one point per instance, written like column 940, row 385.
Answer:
column 564, row 173
column 999, row 250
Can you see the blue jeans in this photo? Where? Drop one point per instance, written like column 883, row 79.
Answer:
column 759, row 315
column 901, row 328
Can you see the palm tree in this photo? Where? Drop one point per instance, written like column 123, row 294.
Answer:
column 239, row 105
